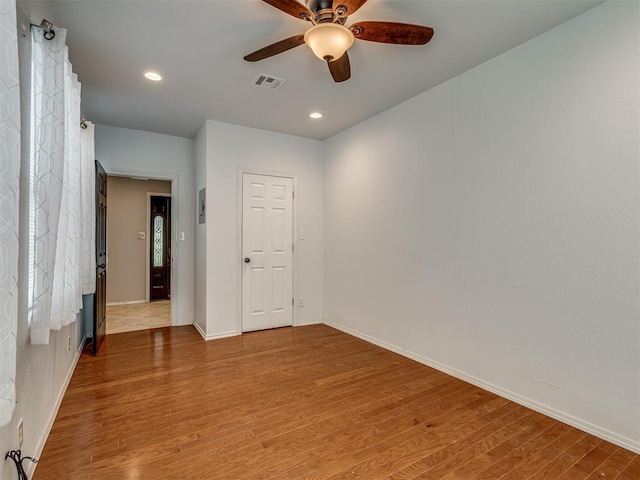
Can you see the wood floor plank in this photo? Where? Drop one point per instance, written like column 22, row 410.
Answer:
column 483, row 461
column 590, row 462
column 631, row 471
column 309, row 403
column 460, row 451
column 563, row 462
column 497, row 454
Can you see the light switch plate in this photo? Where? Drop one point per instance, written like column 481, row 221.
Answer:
column 142, row 235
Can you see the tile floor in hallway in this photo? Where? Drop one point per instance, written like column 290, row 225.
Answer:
column 138, row 316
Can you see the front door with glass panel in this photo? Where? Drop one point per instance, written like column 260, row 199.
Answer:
column 160, row 248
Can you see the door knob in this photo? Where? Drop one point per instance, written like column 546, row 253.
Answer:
column 247, row 260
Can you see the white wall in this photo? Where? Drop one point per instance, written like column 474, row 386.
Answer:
column 230, row 148
column 121, row 150
column 42, row 371
column 490, row 226
column 200, row 157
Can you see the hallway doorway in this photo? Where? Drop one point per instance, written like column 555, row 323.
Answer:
column 138, row 254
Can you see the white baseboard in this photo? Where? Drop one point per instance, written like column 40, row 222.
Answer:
column 214, row 336
column 43, row 440
column 587, row 427
column 309, row 322
column 184, row 324
column 132, row 302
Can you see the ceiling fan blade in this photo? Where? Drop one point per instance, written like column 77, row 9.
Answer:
column 292, row 7
column 390, row 32
column 350, row 6
column 341, row 68
column 275, row 48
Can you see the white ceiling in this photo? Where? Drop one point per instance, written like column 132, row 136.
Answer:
column 199, row 47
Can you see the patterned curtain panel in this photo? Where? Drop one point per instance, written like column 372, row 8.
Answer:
column 66, row 300
column 9, row 178
column 58, row 220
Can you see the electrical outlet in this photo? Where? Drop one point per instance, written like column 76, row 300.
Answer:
column 301, row 301
column 68, row 344
column 20, row 434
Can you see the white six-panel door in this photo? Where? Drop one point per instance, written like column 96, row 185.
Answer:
column 267, row 247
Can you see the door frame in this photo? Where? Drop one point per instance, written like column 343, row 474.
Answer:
column 148, row 242
column 239, row 253
column 175, row 258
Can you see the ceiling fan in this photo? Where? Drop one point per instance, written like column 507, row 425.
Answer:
column 330, row 39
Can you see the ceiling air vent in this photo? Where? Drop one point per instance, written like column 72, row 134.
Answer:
column 263, row 80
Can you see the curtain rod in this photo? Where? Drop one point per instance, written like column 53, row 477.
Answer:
column 47, row 26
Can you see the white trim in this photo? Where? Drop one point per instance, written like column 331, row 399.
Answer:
column 173, row 178
column 132, row 302
column 587, row 427
column 295, row 259
column 147, row 245
column 309, row 322
column 239, row 253
column 31, row 468
column 214, row 336
column 200, row 331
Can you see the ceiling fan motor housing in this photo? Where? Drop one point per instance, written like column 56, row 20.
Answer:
column 316, row 5
column 323, row 12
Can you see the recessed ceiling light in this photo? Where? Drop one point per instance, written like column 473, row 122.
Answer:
column 153, row 76
column 316, row 115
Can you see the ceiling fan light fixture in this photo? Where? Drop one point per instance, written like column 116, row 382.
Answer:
column 329, row 41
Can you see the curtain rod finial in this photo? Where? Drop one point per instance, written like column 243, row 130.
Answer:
column 48, row 29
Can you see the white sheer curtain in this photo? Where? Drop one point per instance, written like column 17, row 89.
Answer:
column 9, row 185
column 59, row 255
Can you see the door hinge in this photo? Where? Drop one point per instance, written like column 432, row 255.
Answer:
column 293, row 194
column 293, row 303
column 293, row 248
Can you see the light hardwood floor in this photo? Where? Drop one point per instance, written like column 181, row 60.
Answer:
column 299, row 403
column 138, row 316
